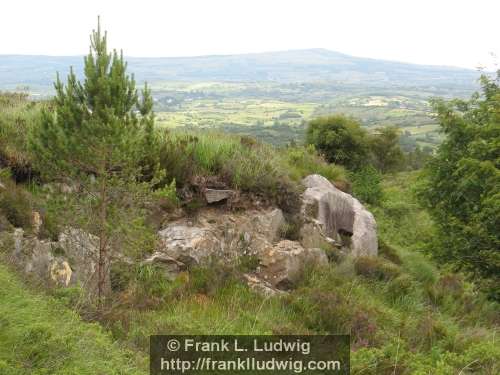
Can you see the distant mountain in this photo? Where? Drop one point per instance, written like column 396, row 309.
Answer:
column 310, row 65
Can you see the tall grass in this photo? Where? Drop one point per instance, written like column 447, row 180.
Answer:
column 17, row 116
column 39, row 336
column 240, row 162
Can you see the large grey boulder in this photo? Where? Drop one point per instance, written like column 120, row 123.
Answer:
column 364, row 237
column 332, row 216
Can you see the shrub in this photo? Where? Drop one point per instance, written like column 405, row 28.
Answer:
column 385, row 150
column 400, row 286
column 341, row 139
column 211, row 278
column 462, row 185
column 388, row 252
column 15, row 204
column 366, row 185
column 148, row 284
column 376, row 268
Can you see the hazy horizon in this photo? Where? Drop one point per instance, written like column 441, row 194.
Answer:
column 248, row 53
column 445, row 33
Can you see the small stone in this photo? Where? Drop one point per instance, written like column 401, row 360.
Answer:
column 215, row 195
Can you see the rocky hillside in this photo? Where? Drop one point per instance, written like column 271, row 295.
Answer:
column 226, row 272
column 332, row 224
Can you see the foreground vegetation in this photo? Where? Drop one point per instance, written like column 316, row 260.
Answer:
column 39, row 336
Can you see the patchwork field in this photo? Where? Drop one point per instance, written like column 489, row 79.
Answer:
column 278, row 113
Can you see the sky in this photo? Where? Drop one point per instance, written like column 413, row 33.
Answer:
column 439, row 32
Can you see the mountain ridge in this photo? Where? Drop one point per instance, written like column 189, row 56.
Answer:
column 303, row 65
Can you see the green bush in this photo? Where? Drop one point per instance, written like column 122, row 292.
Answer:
column 461, row 186
column 340, row 139
column 366, row 185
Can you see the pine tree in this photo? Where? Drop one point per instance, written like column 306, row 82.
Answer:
column 99, row 134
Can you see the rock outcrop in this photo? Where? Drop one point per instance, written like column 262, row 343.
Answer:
column 69, row 261
column 332, row 216
column 220, row 235
column 283, row 264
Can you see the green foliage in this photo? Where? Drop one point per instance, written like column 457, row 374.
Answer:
column 388, row 252
column 18, row 116
column 304, row 161
column 385, row 150
column 168, row 194
column 93, row 127
column 150, row 281
column 15, row 202
column 340, row 139
column 417, row 158
column 366, row 185
column 462, row 185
